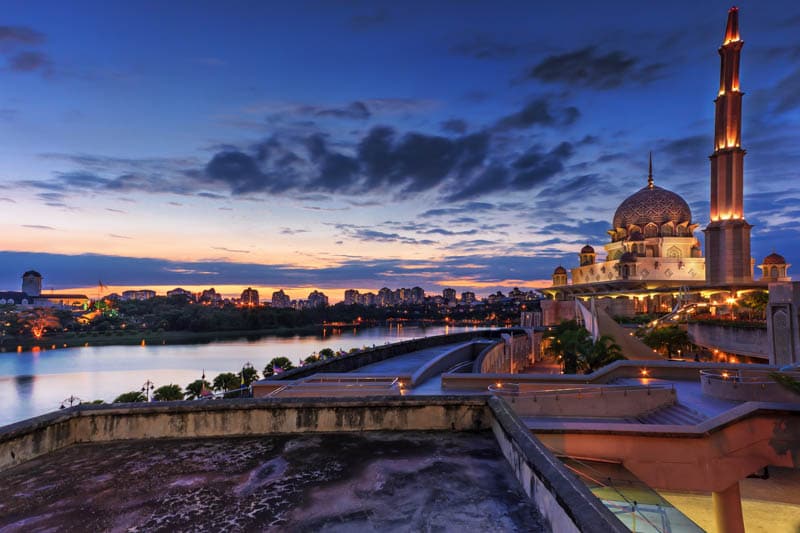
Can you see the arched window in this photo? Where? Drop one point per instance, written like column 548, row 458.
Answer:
column 773, row 272
column 674, row 252
column 666, row 230
column 651, row 230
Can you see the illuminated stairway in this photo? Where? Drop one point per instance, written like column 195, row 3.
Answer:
column 676, row 415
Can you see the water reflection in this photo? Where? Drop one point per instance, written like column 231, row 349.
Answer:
column 38, row 381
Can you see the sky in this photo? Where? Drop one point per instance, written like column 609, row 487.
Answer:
column 338, row 144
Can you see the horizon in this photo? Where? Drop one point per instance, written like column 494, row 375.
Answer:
column 328, row 148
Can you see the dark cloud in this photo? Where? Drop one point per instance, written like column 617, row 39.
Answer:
column 16, row 35
column 454, row 125
column 7, row 200
column 37, row 226
column 535, row 167
column 589, row 67
column 366, row 234
column 539, row 112
column 354, row 110
column 29, row 61
column 486, row 47
column 367, row 21
column 231, row 250
column 291, row 231
column 787, row 93
column 685, row 152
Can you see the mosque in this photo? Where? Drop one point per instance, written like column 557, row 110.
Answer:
column 653, row 256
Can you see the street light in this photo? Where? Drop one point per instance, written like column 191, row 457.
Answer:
column 147, row 389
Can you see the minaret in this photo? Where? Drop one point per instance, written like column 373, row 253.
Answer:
column 728, row 233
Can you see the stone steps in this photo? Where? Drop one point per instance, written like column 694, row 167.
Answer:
column 678, row 415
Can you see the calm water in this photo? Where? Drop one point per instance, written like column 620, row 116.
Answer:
column 33, row 383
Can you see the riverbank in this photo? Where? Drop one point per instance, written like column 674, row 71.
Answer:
column 125, row 338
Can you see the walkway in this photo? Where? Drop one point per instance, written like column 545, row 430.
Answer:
column 632, row 348
column 405, row 364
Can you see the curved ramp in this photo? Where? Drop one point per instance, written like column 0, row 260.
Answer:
column 632, row 348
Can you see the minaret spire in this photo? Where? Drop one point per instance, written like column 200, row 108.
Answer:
column 728, row 234
column 650, row 184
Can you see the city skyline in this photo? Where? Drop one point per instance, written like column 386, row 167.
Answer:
column 477, row 157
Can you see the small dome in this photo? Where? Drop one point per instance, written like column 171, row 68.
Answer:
column 628, row 257
column 587, row 250
column 774, row 259
column 559, row 270
column 31, row 273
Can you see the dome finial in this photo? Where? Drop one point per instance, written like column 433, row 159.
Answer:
column 650, row 173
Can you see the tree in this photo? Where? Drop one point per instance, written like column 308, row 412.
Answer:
column 601, row 352
column 133, row 396
column 194, row 389
column 668, row 339
column 168, row 393
column 569, row 340
column 248, row 374
column 327, row 353
column 756, row 303
column 226, row 381
column 41, row 320
column 284, row 363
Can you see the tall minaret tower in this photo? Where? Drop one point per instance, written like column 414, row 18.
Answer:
column 728, row 233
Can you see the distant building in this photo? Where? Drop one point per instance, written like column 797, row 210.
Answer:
column 418, row 295
column 317, row 299
column 449, row 295
column 31, row 295
column 467, row 297
column 385, row 297
column 210, row 296
column 281, row 300
column 368, row 299
column 350, row 297
column 182, row 293
column 141, row 294
column 32, row 283
column 250, row 297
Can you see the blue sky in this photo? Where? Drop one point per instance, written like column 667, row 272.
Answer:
column 362, row 144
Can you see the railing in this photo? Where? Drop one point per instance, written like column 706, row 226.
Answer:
column 744, row 376
column 747, row 385
column 338, row 385
column 513, row 389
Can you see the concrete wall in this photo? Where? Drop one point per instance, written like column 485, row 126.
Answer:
column 348, row 363
column 752, row 342
column 783, row 323
column 732, row 389
column 564, row 501
column 556, row 311
column 611, row 402
column 511, row 355
column 446, row 361
column 672, row 370
column 217, row 418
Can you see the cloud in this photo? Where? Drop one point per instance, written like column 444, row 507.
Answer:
column 454, row 125
column 292, row 231
column 38, row 226
column 231, row 250
column 112, row 210
column 16, row 35
column 588, row 67
column 115, row 236
column 7, row 200
column 29, row 61
column 485, row 47
column 541, row 112
column 354, row 110
column 787, row 92
column 367, row 21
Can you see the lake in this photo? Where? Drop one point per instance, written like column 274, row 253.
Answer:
column 36, row 382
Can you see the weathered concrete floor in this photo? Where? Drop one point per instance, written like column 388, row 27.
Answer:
column 409, row 481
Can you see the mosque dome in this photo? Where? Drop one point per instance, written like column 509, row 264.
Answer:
column 652, row 205
column 587, row 250
column 559, row 270
column 774, row 259
column 31, row 273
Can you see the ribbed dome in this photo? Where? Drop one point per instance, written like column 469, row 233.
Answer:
column 587, row 250
column 774, row 259
column 560, row 270
column 655, row 205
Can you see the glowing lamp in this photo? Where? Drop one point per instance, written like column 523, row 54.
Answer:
column 644, row 372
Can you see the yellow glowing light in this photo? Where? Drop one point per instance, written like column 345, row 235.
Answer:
column 644, row 372
column 731, row 301
column 499, row 385
column 725, row 375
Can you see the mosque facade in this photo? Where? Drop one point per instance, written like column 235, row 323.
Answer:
column 653, row 251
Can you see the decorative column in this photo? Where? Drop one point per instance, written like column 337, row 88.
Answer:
column 728, row 510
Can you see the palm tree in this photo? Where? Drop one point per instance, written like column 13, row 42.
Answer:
column 284, row 363
column 571, row 345
column 226, row 381
column 194, row 389
column 168, row 393
column 248, row 374
column 601, row 352
column 134, row 396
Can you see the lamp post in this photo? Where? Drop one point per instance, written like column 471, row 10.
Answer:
column 147, row 389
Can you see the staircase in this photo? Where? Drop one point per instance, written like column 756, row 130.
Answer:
column 675, row 415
